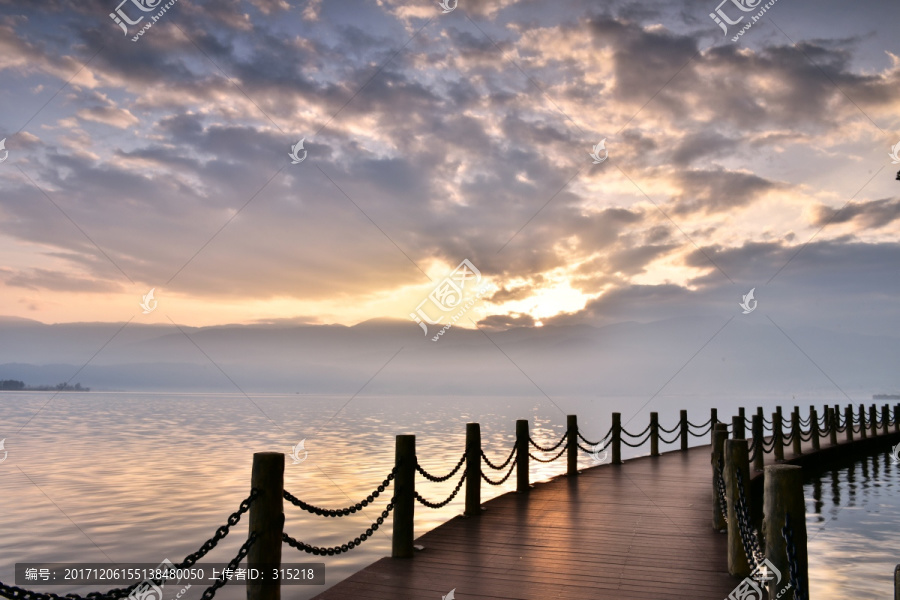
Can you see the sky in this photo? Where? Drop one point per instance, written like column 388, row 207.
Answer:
column 433, row 137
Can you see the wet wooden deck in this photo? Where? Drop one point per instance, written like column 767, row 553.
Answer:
column 642, row 530
column 637, row 531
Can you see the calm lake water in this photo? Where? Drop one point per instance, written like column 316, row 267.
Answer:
column 853, row 516
column 139, row 477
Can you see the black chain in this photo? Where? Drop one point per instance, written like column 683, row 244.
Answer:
column 706, row 429
column 788, row 533
column 445, row 502
column 636, row 435
column 17, row 593
column 704, row 425
column 548, row 460
column 506, row 462
column 505, row 477
column 552, row 448
column 590, row 443
column 210, row 592
column 340, row 512
column 637, row 445
column 673, row 430
column 672, row 441
column 720, row 488
column 435, row 478
column 749, row 537
column 309, row 549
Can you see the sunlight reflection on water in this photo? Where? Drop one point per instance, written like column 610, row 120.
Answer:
column 853, row 515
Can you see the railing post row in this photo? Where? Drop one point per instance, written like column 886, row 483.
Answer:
column 572, row 441
column 863, row 434
column 777, row 437
column 473, row 470
column 848, row 421
column 737, row 428
column 404, row 496
column 814, row 427
column 522, row 456
column 720, row 434
column 616, row 438
column 654, row 434
column 783, row 495
column 266, row 520
column 759, row 453
column 736, row 458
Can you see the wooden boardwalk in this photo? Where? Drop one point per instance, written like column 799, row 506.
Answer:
column 641, row 530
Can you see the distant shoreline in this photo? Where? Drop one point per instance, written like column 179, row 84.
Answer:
column 14, row 385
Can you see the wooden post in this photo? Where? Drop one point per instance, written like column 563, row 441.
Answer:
column 848, row 421
column 473, row 470
column 720, row 434
column 714, row 418
column 736, row 458
column 759, row 453
column 863, row 434
column 404, row 496
column 654, row 434
column 684, row 430
column 743, row 415
column 873, row 420
column 759, row 411
column 832, row 424
column 617, row 438
column 267, row 521
column 795, row 432
column 897, row 417
column 777, row 437
column 783, row 495
column 572, row 440
column 780, row 416
column 885, row 419
column 897, row 582
column 737, row 428
column 522, row 456
column 814, row 427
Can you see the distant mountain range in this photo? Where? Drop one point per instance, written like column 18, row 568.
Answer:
column 685, row 356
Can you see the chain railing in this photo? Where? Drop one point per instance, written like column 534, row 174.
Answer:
column 17, row 593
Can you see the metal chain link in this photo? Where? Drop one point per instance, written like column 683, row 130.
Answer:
column 720, row 488
column 449, row 498
column 590, row 443
column 637, row 445
column 331, row 551
column 17, row 593
column 505, row 477
column 437, row 479
column 636, row 435
column 210, row 592
column 673, row 430
column 594, row 449
column 549, row 460
column 505, row 462
column 550, row 449
column 340, row 512
column 749, row 536
column 788, row 533
column 706, row 429
column 672, row 441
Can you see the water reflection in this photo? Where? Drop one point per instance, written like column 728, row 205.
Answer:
column 853, row 552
